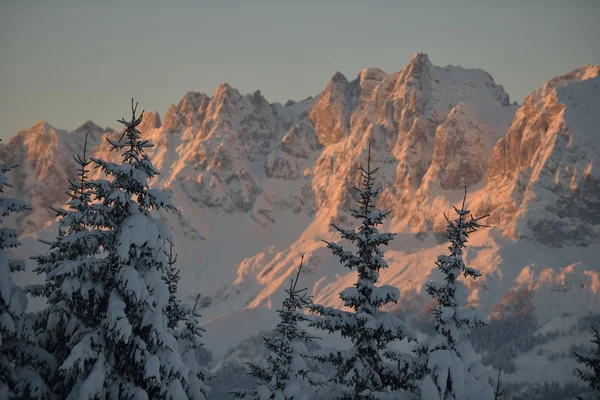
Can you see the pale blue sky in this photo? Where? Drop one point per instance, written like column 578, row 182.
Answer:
column 70, row 61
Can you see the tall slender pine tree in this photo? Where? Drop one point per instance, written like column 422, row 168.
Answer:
column 287, row 375
column 24, row 366
column 174, row 310
column 448, row 368
column 371, row 369
column 188, row 336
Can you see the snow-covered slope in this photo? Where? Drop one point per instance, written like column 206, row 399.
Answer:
column 258, row 183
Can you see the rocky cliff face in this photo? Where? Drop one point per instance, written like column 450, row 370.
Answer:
column 434, row 130
column 543, row 181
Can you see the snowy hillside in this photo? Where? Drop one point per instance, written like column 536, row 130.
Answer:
column 257, row 184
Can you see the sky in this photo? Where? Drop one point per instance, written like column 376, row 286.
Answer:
column 69, row 61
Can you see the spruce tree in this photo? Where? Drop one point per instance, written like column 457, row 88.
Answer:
column 287, row 375
column 448, row 368
column 371, row 369
column 188, row 340
column 74, row 287
column 188, row 336
column 174, row 310
column 139, row 357
column 110, row 264
column 24, row 366
column 591, row 360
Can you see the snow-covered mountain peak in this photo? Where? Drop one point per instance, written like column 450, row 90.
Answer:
column 89, row 126
column 331, row 113
column 41, row 127
column 375, row 74
column 44, row 166
column 415, row 74
column 420, row 58
column 542, row 172
column 189, row 112
column 369, row 79
column 338, row 78
column 150, row 121
column 224, row 94
column 577, row 75
column 224, row 88
column 545, row 94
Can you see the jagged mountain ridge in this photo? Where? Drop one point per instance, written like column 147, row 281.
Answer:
column 432, row 128
column 222, row 150
column 433, row 131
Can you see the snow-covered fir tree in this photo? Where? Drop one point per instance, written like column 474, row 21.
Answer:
column 188, row 339
column 287, row 375
column 174, row 310
column 591, row 373
column 138, row 357
column 24, row 366
column 123, row 348
column 73, row 273
column 371, row 369
column 449, row 369
column 188, row 336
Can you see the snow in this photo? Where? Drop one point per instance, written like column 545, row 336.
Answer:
column 223, row 333
column 93, row 386
column 117, row 317
column 466, row 352
column 428, row 389
column 136, row 230
column 133, row 283
column 152, row 369
column 440, row 359
column 82, row 352
column 175, row 391
column 11, row 295
column 159, row 198
column 457, row 374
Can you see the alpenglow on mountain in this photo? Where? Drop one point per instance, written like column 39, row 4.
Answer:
column 258, row 183
column 433, row 130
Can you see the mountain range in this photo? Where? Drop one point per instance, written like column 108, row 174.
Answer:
column 257, row 184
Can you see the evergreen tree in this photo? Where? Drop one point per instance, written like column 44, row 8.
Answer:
column 592, row 361
column 174, row 310
column 188, row 337
column 370, row 369
column 74, row 288
column 139, row 357
column 110, row 260
column 24, row 366
column 448, row 367
column 287, row 375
